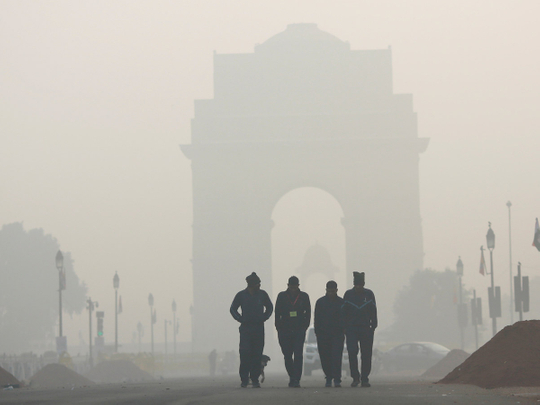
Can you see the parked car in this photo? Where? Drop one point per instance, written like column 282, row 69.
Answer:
column 312, row 361
column 413, row 356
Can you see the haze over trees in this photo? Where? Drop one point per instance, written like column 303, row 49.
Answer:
column 29, row 288
column 426, row 309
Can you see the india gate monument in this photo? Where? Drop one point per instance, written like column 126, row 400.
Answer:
column 302, row 110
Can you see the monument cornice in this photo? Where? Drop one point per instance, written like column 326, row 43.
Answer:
column 416, row 144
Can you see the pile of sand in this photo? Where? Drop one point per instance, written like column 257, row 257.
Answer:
column 510, row 359
column 115, row 371
column 6, row 379
column 58, row 375
column 453, row 359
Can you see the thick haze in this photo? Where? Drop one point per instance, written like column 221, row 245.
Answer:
column 95, row 98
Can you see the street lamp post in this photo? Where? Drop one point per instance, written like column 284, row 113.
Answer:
column 167, row 322
column 140, row 330
column 174, row 326
column 116, row 285
column 151, row 303
column 461, row 312
column 477, row 317
column 91, row 306
column 60, row 267
column 520, row 305
column 490, row 239
column 509, row 204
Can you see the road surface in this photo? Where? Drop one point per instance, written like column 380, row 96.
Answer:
column 226, row 390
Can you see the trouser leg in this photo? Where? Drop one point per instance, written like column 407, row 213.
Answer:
column 366, row 350
column 298, row 349
column 352, row 350
column 324, row 346
column 245, row 355
column 257, row 351
column 286, row 344
column 336, row 355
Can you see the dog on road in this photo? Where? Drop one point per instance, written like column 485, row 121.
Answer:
column 264, row 362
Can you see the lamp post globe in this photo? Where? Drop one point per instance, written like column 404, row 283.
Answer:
column 490, row 238
column 59, row 260
column 150, row 299
column 459, row 267
column 116, row 281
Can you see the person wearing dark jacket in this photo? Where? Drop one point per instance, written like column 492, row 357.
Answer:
column 359, row 312
column 256, row 309
column 329, row 331
column 293, row 315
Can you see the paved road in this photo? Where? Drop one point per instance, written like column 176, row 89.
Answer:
column 226, row 390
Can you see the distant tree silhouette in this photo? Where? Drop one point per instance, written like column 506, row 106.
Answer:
column 29, row 288
column 426, row 310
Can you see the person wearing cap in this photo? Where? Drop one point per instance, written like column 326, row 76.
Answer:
column 329, row 331
column 293, row 315
column 256, row 309
column 359, row 313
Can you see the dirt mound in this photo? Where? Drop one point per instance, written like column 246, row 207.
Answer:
column 115, row 371
column 510, row 359
column 6, row 378
column 453, row 359
column 57, row 375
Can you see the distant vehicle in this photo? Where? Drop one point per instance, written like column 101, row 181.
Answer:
column 413, row 356
column 312, row 361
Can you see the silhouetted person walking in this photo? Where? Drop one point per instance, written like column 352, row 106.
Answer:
column 360, row 319
column 293, row 314
column 329, row 330
column 256, row 309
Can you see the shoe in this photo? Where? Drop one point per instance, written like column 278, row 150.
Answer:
column 337, row 384
column 244, row 384
column 328, row 383
column 365, row 384
column 256, row 384
column 296, row 384
column 291, row 382
column 355, row 383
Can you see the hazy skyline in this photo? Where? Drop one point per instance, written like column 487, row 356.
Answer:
column 97, row 96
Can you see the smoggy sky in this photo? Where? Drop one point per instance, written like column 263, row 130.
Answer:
column 96, row 96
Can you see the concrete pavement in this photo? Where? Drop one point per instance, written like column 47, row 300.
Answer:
column 226, row 390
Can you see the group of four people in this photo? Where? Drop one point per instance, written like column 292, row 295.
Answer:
column 353, row 317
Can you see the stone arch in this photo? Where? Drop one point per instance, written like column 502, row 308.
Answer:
column 302, row 110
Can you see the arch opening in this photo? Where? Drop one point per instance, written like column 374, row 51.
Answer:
column 308, row 241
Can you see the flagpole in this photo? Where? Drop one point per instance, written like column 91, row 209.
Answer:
column 476, row 319
column 483, row 269
column 509, row 204
column 494, row 318
column 493, row 305
column 116, row 286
